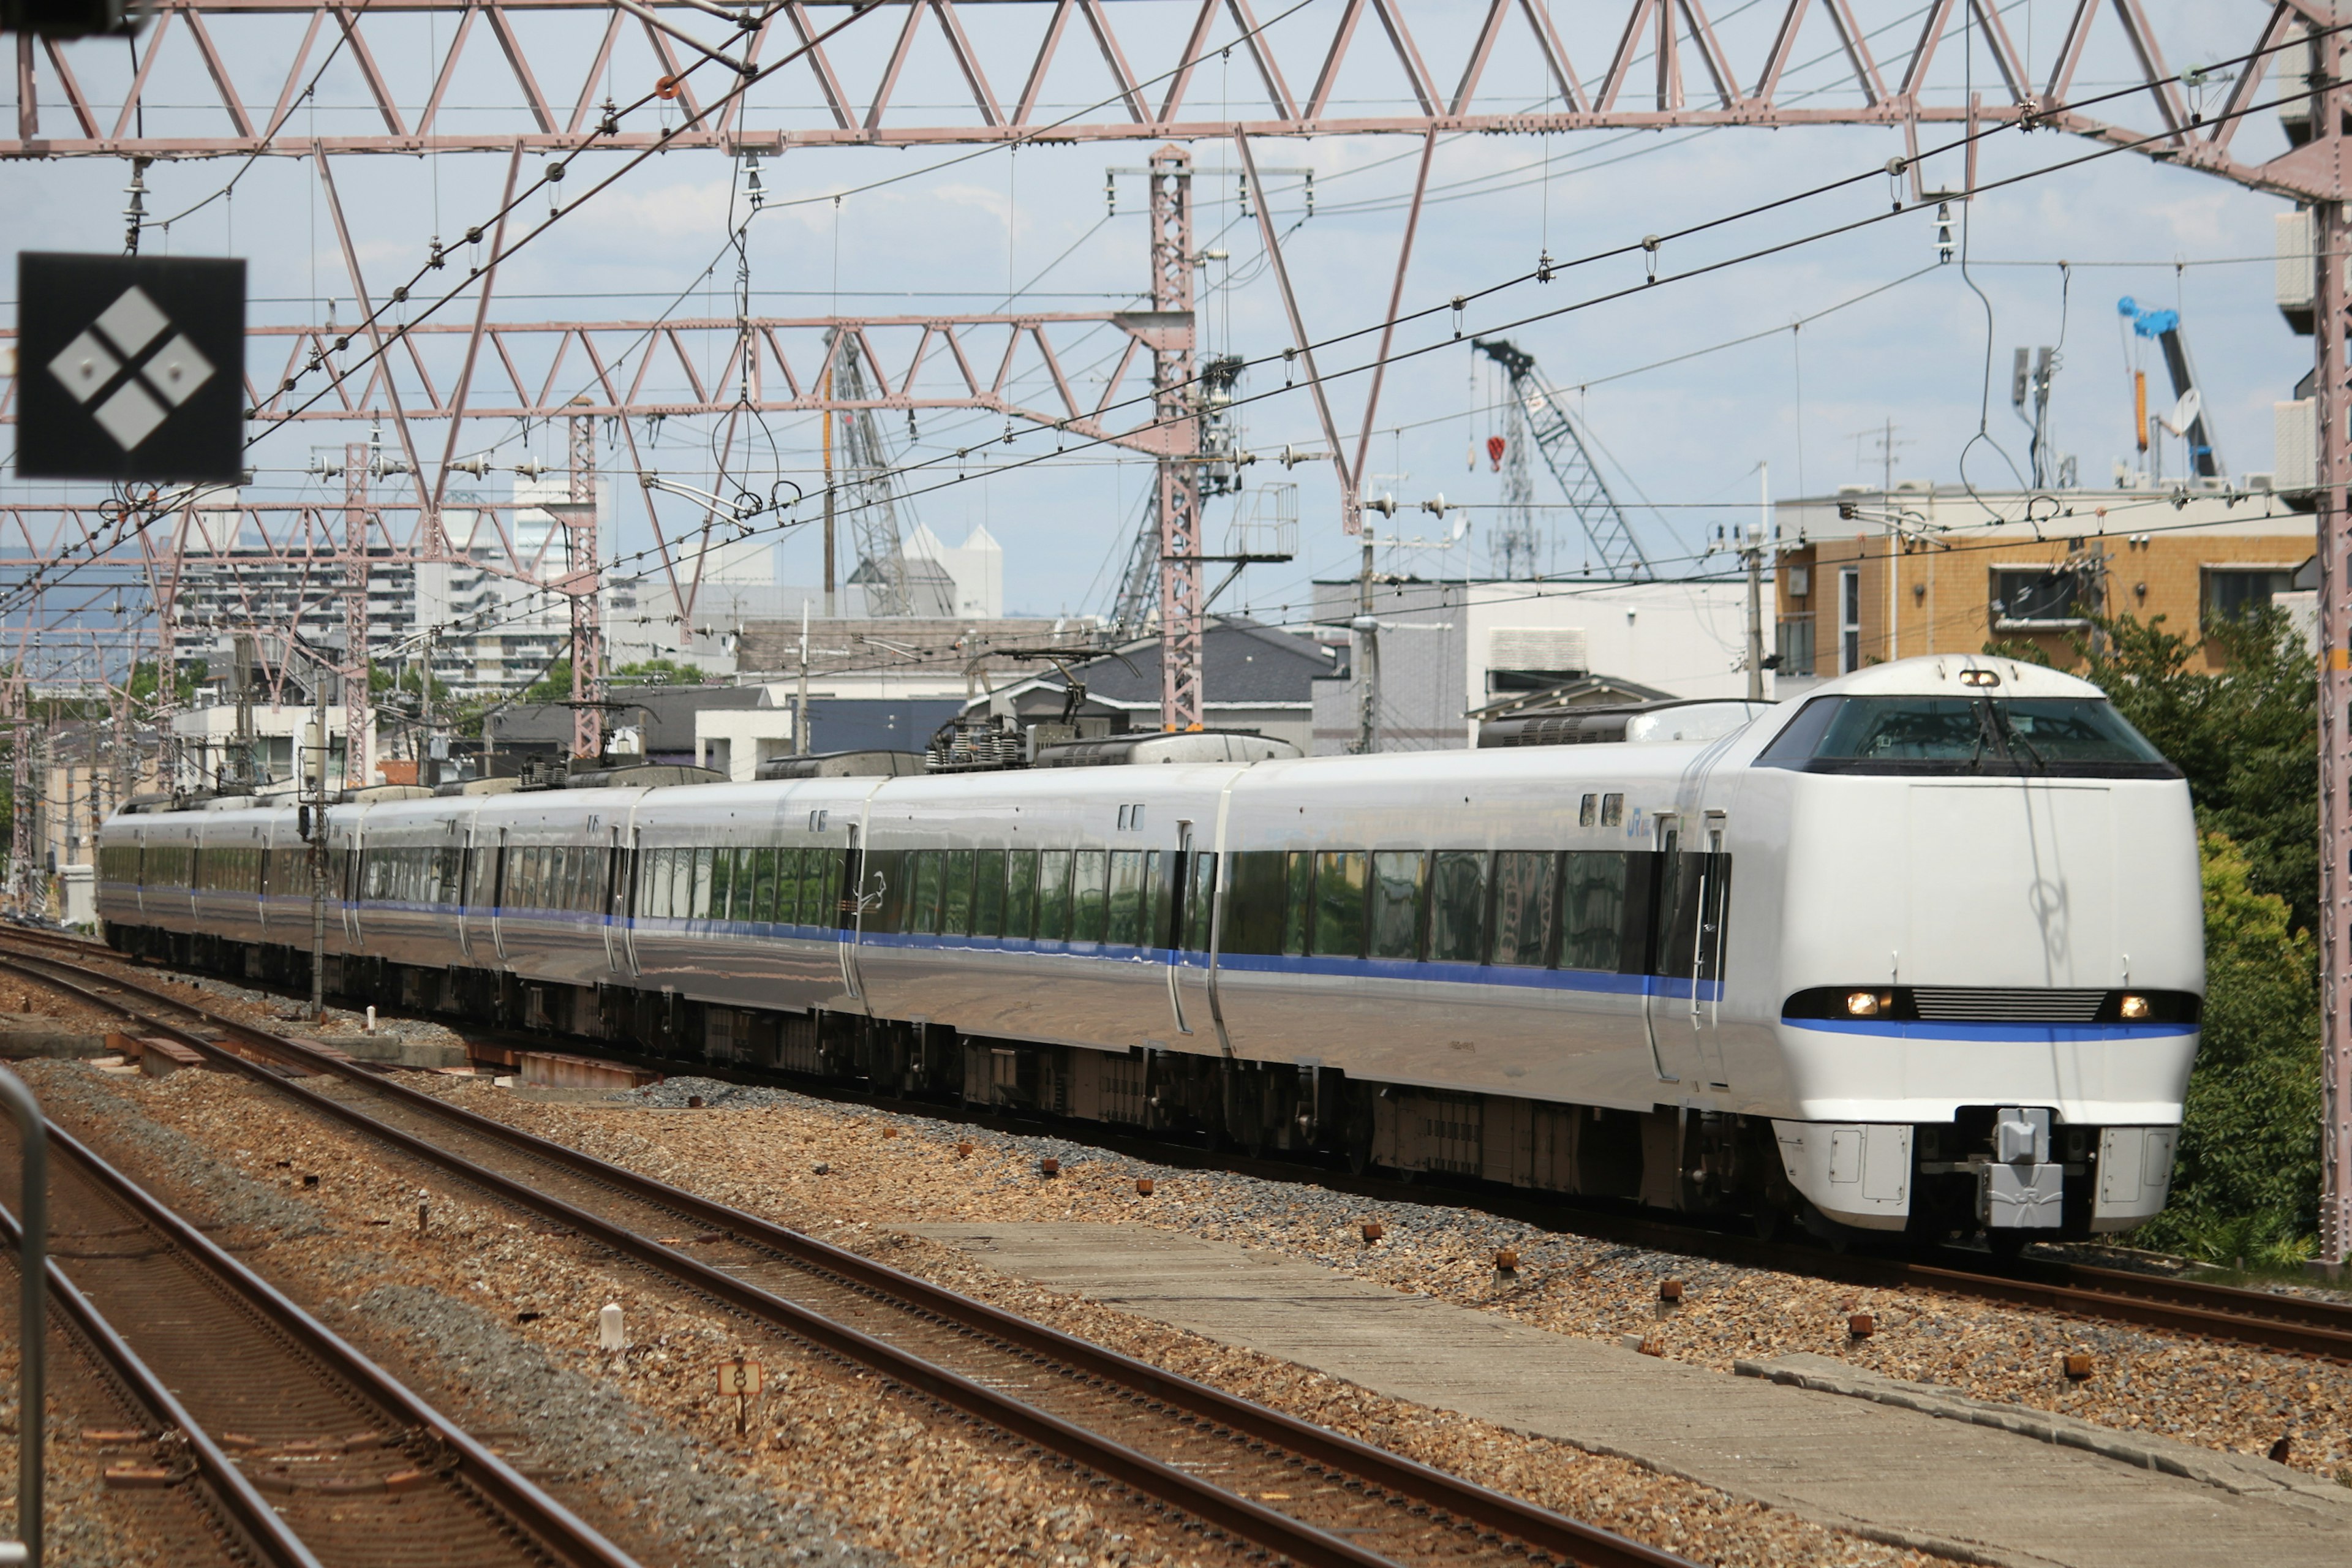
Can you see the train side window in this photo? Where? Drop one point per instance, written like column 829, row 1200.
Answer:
column 1255, row 899
column 1020, row 893
column 1199, row 902
column 701, row 907
column 764, row 884
column 955, row 894
column 652, row 883
column 1159, row 893
column 1526, row 894
column 1612, row 811
column 1457, row 906
column 594, row 863
column 824, row 876
column 1588, row 811
column 1296, row 912
column 923, row 885
column 1339, row 894
column 1129, row 900
column 889, row 873
column 722, row 882
column 988, row 892
column 1053, row 895
column 1592, row 922
column 1397, row 878
column 1089, row 877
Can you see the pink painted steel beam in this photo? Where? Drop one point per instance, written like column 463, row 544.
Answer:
column 1131, row 79
column 622, row 368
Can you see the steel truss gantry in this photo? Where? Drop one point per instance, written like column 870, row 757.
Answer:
column 1666, row 66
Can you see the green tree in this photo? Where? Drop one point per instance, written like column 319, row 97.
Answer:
column 555, row 686
column 2248, row 1170
column 659, row 672
column 2246, row 733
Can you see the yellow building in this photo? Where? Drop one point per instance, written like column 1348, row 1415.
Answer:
column 1867, row 576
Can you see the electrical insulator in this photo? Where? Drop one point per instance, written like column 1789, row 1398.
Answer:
column 1942, row 232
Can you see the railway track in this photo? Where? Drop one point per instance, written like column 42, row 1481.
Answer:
column 313, row 1455
column 2271, row 1320
column 1256, row 1475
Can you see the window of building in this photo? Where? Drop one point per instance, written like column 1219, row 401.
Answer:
column 1849, row 620
column 2231, row 593
column 2039, row 596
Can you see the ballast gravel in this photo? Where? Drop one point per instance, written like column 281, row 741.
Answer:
column 758, row 1145
column 495, row 1321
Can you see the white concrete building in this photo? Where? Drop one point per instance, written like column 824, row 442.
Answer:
column 1448, row 648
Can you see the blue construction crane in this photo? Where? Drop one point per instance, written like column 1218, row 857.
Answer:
column 2188, row 417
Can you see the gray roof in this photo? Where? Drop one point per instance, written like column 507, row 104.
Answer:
column 1243, row 663
column 664, row 713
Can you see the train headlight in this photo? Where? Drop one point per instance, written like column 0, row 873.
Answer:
column 2134, row 1008
column 1862, row 1005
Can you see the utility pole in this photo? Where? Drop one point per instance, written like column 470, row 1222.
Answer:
column 583, row 584
column 314, row 793
column 825, row 396
column 2331, row 319
column 800, row 719
column 358, row 718
column 1175, row 408
column 1367, row 628
column 1754, row 556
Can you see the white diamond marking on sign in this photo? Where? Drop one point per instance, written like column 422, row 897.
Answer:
column 133, row 322
column 84, row 367
column 130, row 416
column 178, row 371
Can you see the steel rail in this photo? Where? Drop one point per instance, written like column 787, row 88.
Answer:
column 239, row 1502
column 2300, row 1325
column 547, row 1524
column 1242, row 1517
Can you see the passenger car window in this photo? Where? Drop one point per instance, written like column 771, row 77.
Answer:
column 955, row 894
column 987, row 893
column 1129, row 900
column 1053, row 895
column 1199, row 902
column 1525, row 898
column 1296, row 914
column 1020, row 893
column 1592, row 931
column 1457, row 906
column 1397, row 882
column 1089, row 875
column 1339, row 903
column 1255, row 902
column 924, row 912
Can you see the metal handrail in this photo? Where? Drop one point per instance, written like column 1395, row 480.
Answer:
column 32, row 1368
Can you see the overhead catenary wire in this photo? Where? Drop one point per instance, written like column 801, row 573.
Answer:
column 1651, row 244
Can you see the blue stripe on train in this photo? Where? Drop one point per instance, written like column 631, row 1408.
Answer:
column 1591, row 981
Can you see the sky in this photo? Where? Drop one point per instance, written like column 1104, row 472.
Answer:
column 1906, row 345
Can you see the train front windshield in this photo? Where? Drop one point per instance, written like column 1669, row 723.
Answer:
column 2073, row 736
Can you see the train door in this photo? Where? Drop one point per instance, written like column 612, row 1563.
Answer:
column 1180, row 897
column 355, row 881
column 856, row 899
column 469, row 868
column 625, row 903
column 496, row 891
column 1682, row 1004
column 617, row 898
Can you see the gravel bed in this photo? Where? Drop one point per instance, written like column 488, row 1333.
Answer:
column 760, row 1147
column 794, row 1135
column 494, row 1321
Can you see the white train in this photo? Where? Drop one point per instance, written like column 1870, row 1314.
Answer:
column 1921, row 951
